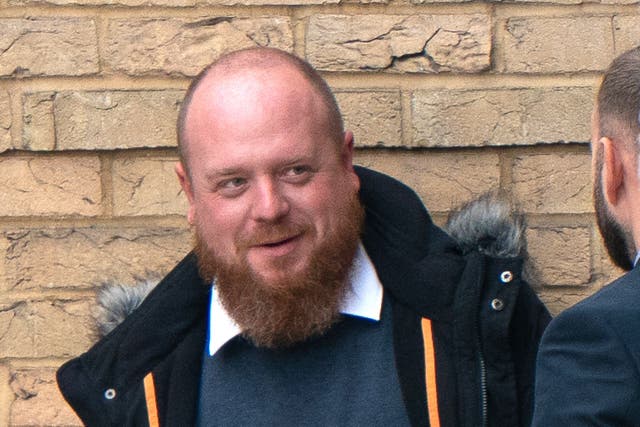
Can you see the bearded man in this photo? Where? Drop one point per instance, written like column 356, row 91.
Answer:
column 317, row 294
column 589, row 362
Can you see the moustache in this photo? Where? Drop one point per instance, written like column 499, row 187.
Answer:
column 271, row 234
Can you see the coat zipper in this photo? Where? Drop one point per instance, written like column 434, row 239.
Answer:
column 483, row 387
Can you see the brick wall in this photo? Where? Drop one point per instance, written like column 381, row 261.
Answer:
column 452, row 97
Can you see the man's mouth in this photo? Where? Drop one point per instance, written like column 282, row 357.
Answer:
column 277, row 243
column 272, row 243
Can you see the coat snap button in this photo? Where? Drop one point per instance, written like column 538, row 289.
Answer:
column 506, row 276
column 110, row 394
column 497, row 304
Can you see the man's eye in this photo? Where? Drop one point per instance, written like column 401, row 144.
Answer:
column 297, row 175
column 233, row 183
column 297, row 171
column 232, row 187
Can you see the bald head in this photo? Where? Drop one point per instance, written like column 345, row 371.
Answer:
column 244, row 78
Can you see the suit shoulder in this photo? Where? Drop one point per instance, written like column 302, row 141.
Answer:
column 622, row 293
column 615, row 304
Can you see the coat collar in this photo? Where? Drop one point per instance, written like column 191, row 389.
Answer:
column 417, row 262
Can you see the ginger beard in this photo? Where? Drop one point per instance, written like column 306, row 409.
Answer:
column 279, row 313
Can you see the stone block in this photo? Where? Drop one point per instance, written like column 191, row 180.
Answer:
column 6, row 119
column 128, row 3
column 61, row 46
column 240, row 3
column 37, row 329
column 38, row 401
column 439, row 1
column 560, row 256
column 488, row 117
column 400, row 43
column 553, row 183
column 556, row 45
column 147, row 187
column 50, row 186
column 626, row 30
column 444, row 181
column 82, row 258
column 174, row 46
column 6, row 394
column 374, row 117
column 116, row 119
column 558, row 300
column 38, row 123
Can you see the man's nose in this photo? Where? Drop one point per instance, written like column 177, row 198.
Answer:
column 269, row 204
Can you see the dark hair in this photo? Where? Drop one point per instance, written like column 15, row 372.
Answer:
column 260, row 58
column 618, row 103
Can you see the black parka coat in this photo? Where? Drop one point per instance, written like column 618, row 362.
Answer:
column 466, row 330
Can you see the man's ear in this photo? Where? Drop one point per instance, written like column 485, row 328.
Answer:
column 613, row 172
column 185, row 183
column 347, row 156
column 347, row 148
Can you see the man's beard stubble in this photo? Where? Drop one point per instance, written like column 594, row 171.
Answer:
column 297, row 307
column 616, row 240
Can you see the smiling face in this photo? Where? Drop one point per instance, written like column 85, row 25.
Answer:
column 274, row 201
column 267, row 181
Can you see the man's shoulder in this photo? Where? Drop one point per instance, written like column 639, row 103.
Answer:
column 116, row 303
column 614, row 308
column 587, row 366
column 394, row 209
column 623, row 294
column 398, row 231
column 487, row 224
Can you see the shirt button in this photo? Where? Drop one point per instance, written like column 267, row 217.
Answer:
column 497, row 304
column 110, row 394
column 506, row 276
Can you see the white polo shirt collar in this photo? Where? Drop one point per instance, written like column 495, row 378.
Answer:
column 363, row 300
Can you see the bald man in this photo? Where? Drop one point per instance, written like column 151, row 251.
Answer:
column 317, row 293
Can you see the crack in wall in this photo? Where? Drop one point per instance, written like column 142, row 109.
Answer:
column 211, row 22
column 20, row 36
column 11, row 309
column 373, row 39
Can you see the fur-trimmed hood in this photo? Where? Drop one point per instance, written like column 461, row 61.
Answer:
column 488, row 224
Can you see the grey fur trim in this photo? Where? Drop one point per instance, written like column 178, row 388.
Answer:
column 116, row 302
column 489, row 225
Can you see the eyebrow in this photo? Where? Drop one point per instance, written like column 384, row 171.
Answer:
column 299, row 159
column 212, row 175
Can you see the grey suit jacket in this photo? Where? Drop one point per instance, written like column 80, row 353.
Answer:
column 588, row 367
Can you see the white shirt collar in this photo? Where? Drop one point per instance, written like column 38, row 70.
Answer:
column 363, row 300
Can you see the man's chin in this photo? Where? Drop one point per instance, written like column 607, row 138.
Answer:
column 277, row 277
column 275, row 269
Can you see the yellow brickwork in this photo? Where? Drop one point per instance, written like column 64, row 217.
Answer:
column 453, row 97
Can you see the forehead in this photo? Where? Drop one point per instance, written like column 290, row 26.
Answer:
column 253, row 96
column 253, row 108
